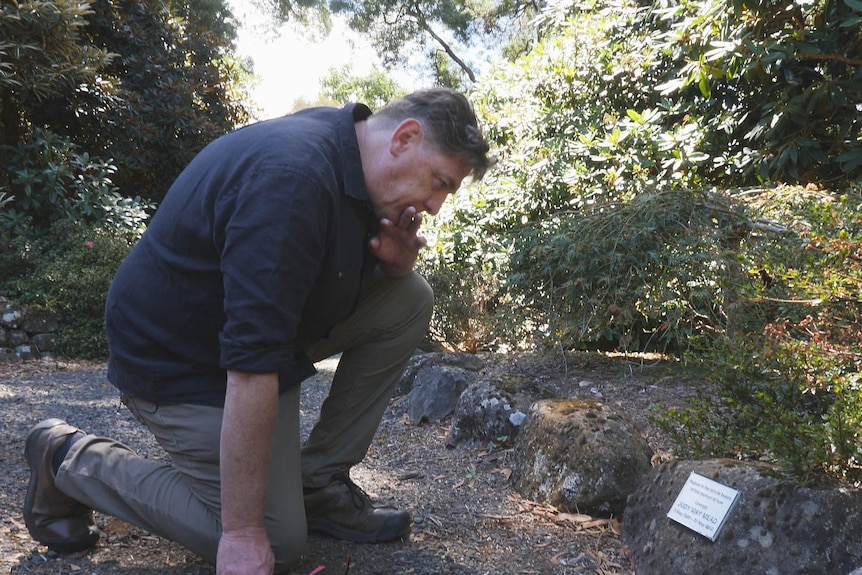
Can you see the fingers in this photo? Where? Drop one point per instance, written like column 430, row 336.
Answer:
column 398, row 242
column 410, row 219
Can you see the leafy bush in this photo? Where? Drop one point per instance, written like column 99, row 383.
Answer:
column 49, row 180
column 774, row 85
column 65, row 231
column 473, row 308
column 44, row 52
column 790, row 392
column 466, row 314
column 143, row 82
column 620, row 100
column 644, row 274
column 67, row 270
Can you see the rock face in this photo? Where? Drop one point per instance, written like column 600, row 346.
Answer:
column 775, row 527
column 579, row 456
column 421, row 361
column 24, row 333
column 436, row 391
column 484, row 413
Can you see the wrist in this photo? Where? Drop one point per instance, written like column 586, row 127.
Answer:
column 395, row 271
column 244, row 532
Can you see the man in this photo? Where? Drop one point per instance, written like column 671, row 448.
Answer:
column 281, row 244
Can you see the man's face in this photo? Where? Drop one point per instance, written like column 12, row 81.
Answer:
column 417, row 175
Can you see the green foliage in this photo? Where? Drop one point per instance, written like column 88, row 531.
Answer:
column 606, row 108
column 65, row 231
column 42, row 51
column 67, row 270
column 42, row 54
column 375, row 89
column 168, row 91
column 49, row 180
column 799, row 370
column 576, row 130
column 644, row 274
column 775, row 84
column 215, row 16
column 466, row 311
column 473, row 308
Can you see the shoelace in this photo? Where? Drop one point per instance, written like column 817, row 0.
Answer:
column 357, row 494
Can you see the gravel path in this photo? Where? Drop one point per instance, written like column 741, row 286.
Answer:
column 467, row 520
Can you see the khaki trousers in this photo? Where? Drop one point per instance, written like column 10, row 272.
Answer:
column 180, row 500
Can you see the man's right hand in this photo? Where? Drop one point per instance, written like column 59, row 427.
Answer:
column 244, row 552
column 250, row 408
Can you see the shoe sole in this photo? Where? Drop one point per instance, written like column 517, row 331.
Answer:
column 386, row 533
column 31, row 455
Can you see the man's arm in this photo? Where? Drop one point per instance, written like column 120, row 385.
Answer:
column 251, row 406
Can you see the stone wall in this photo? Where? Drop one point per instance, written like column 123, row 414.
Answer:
column 24, row 333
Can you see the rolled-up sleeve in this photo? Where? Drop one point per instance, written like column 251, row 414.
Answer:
column 272, row 243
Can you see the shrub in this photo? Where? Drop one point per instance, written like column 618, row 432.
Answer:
column 465, row 311
column 49, row 180
column 68, row 270
column 473, row 308
column 790, row 391
column 65, row 231
column 643, row 274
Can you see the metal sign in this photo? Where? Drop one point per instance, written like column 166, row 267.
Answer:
column 703, row 505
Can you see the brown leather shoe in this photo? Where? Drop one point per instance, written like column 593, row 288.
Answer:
column 52, row 517
column 343, row 510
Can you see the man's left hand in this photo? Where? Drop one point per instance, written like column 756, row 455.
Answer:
column 397, row 244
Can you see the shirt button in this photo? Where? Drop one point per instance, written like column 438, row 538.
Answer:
column 339, row 275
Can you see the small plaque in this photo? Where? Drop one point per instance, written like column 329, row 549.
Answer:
column 703, row 505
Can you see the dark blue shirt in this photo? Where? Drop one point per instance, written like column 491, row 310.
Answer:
column 258, row 249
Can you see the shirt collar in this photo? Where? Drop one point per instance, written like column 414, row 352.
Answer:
column 351, row 160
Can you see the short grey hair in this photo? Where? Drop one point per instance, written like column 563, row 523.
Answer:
column 449, row 122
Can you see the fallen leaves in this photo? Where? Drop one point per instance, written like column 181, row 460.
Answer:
column 550, row 514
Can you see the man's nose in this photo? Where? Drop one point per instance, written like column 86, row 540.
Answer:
column 434, row 203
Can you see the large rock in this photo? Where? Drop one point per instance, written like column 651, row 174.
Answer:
column 484, row 413
column 436, row 391
column 40, row 322
column 421, row 361
column 18, row 337
column 579, row 456
column 45, row 341
column 775, row 527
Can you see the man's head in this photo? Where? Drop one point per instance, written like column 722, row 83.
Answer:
column 418, row 149
column 449, row 123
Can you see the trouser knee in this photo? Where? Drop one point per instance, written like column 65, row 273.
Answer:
column 416, row 297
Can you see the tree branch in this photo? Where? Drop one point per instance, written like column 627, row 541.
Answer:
column 423, row 23
column 838, row 57
column 452, row 55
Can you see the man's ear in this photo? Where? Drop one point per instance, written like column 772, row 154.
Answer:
column 407, row 133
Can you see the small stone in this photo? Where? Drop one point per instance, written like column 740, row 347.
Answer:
column 11, row 318
column 516, row 418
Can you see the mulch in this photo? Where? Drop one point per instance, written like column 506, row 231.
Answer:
column 467, row 518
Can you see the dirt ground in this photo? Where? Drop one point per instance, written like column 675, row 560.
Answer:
column 467, row 520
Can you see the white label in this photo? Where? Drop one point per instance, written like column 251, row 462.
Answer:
column 703, row 505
